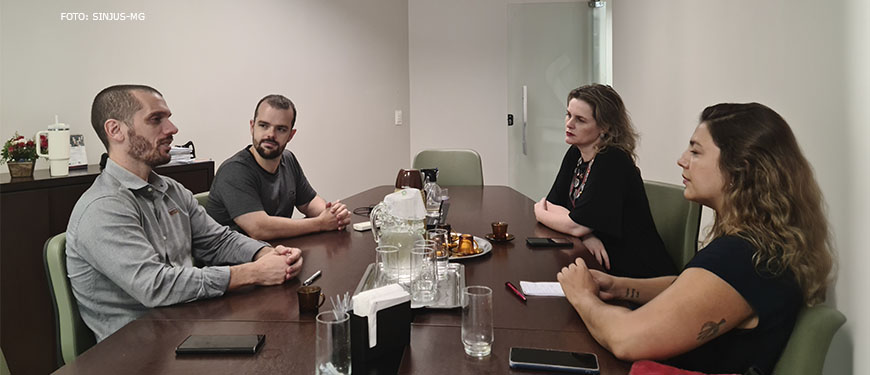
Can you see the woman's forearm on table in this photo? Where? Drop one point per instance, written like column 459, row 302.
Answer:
column 562, row 223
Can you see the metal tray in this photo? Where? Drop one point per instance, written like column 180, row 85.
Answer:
column 449, row 289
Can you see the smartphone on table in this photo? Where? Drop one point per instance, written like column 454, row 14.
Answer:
column 220, row 344
column 549, row 242
column 554, row 360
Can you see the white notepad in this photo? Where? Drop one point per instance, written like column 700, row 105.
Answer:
column 548, row 289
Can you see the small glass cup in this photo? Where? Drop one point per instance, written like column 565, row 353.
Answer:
column 442, row 251
column 499, row 230
column 466, row 245
column 310, row 299
column 332, row 350
column 386, row 265
column 477, row 336
column 423, row 274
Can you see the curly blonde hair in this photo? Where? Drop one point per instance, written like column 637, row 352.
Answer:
column 771, row 197
column 610, row 115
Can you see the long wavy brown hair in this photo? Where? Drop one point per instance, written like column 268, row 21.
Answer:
column 771, row 196
column 610, row 115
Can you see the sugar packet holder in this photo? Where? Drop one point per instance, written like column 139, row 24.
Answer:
column 380, row 323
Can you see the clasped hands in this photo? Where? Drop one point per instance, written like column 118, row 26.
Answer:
column 278, row 264
column 578, row 282
column 334, row 216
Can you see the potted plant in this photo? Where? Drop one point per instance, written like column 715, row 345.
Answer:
column 19, row 154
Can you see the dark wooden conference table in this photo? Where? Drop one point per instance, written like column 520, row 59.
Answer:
column 146, row 346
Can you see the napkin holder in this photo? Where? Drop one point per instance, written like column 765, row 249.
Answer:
column 393, row 334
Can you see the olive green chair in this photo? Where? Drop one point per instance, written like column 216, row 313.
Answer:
column 805, row 352
column 202, row 198
column 4, row 369
column 677, row 220
column 456, row 167
column 73, row 336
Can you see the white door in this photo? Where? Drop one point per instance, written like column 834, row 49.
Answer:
column 553, row 47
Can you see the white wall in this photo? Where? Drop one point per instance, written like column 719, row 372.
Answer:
column 343, row 62
column 851, row 346
column 458, row 77
column 805, row 59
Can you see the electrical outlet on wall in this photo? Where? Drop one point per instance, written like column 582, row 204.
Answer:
column 398, row 117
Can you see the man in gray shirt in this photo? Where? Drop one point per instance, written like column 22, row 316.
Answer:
column 256, row 190
column 133, row 235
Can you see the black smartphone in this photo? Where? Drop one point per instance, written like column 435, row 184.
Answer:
column 549, row 242
column 220, row 344
column 554, row 360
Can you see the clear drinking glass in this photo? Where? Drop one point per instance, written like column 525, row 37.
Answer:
column 442, row 252
column 445, row 196
column 423, row 274
column 433, row 202
column 386, row 265
column 332, row 356
column 477, row 334
column 425, row 243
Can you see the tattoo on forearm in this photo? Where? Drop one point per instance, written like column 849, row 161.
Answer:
column 710, row 329
column 631, row 293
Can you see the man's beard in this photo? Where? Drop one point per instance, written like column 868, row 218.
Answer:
column 142, row 150
column 268, row 155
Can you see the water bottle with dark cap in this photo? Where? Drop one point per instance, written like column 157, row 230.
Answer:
column 432, row 192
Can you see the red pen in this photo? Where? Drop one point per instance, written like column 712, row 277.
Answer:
column 515, row 290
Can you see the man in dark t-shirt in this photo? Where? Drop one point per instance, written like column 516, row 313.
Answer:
column 256, row 190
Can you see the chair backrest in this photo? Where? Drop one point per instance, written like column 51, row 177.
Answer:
column 202, row 198
column 804, row 354
column 677, row 220
column 457, row 167
column 73, row 336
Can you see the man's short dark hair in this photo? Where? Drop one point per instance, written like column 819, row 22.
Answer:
column 116, row 102
column 280, row 102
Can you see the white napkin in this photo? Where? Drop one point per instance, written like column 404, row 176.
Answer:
column 369, row 302
column 549, row 289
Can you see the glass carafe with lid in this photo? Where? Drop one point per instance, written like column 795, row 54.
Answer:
column 399, row 221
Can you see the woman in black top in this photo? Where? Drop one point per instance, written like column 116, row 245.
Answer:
column 735, row 304
column 598, row 194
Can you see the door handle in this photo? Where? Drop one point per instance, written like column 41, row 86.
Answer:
column 525, row 116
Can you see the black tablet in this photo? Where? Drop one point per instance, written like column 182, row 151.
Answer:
column 220, row 344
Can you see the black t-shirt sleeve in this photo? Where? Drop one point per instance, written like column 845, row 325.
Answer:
column 601, row 204
column 304, row 192
column 776, row 301
column 237, row 186
column 730, row 258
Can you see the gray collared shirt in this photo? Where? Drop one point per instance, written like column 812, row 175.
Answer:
column 131, row 244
